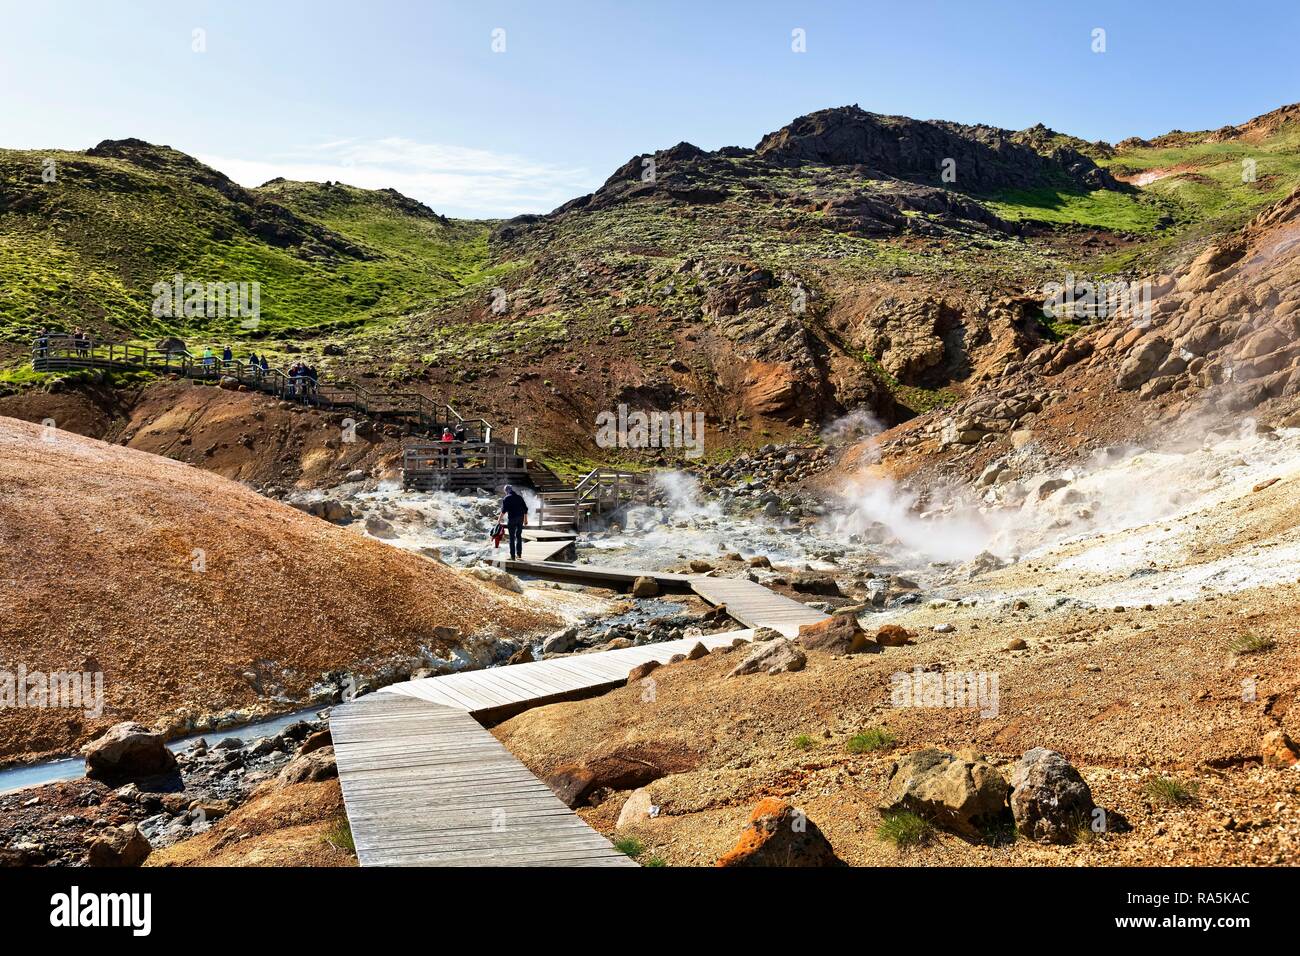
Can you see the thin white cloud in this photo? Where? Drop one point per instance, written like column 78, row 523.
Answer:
column 453, row 180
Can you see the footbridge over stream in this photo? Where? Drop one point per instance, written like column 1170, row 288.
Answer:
column 426, row 784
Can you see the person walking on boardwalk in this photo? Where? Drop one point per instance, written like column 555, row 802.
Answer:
column 227, row 357
column 514, row 512
column 209, row 360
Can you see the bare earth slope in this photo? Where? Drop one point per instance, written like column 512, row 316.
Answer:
column 100, row 551
column 1186, row 687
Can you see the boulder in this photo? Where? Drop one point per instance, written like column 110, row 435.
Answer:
column 641, row 671
column 1278, row 751
column 561, row 642
column 1141, row 363
column 982, row 563
column 838, row 634
column 316, row 741
column 496, row 576
column 771, row 657
column 893, row 635
column 696, row 652
column 959, row 792
column 379, row 528
column 815, row 584
column 128, row 751
column 636, row 809
column 628, row 768
column 645, row 587
column 700, row 566
column 778, row 834
column 309, row 768
column 118, row 847
column 1049, row 800
column 336, row 512
column 760, row 561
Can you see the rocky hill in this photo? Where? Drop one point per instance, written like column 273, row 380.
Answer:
column 830, row 267
column 1221, row 342
column 194, row 596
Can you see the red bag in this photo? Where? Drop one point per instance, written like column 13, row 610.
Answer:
column 497, row 534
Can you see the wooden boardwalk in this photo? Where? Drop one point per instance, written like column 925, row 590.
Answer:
column 426, row 785
column 500, row 691
column 752, row 604
column 546, row 545
column 746, row 601
column 596, row 575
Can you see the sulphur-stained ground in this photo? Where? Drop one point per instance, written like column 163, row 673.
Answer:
column 192, row 595
column 302, row 824
column 1176, row 671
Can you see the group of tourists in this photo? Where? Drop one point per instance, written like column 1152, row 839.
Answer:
column 454, row 439
column 80, row 342
column 303, row 380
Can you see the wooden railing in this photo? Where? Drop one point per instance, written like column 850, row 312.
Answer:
column 598, row 492
column 61, row 352
column 488, row 458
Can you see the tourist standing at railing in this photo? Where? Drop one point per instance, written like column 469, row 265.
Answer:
column 43, row 343
column 209, row 359
column 252, row 364
column 514, row 512
column 460, row 435
column 265, row 366
column 448, row 439
column 227, row 357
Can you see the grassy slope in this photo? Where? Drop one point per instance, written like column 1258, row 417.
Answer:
column 89, row 247
column 1198, row 191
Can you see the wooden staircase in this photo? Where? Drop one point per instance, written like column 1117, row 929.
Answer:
column 599, row 492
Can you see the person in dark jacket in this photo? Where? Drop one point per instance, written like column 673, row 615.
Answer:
column 514, row 512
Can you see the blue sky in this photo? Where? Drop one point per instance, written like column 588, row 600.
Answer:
column 411, row 95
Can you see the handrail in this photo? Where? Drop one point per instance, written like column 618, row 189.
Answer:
column 597, row 489
column 61, row 350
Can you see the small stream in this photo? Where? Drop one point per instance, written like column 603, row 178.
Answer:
column 73, row 768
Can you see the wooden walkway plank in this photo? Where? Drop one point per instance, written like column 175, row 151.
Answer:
column 754, row 605
column 426, row 785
